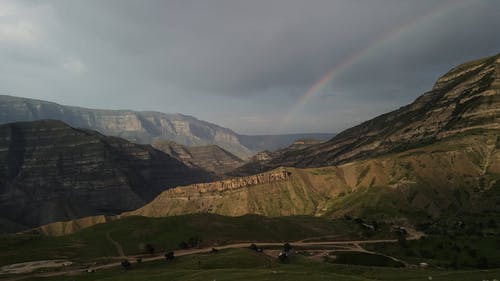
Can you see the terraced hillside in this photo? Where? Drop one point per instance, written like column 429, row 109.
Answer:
column 466, row 98
column 209, row 157
column 454, row 174
column 50, row 171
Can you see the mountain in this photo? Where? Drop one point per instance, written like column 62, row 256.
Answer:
column 438, row 156
column 464, row 99
column 275, row 142
column 144, row 127
column 50, row 171
column 461, row 173
column 260, row 161
column 209, row 157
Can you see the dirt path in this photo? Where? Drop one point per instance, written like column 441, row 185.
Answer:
column 119, row 248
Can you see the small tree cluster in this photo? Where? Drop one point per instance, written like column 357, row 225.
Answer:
column 126, row 264
column 255, row 248
column 169, row 256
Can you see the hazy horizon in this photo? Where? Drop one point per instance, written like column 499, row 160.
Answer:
column 256, row 67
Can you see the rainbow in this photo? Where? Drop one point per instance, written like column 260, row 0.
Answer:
column 374, row 45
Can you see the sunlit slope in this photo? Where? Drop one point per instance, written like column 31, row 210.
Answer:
column 454, row 173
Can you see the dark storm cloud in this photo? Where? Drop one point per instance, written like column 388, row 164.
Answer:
column 255, row 57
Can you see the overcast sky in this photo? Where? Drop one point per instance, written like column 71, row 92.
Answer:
column 241, row 64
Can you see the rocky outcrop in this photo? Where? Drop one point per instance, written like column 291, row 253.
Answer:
column 466, row 98
column 208, row 189
column 50, row 171
column 210, row 157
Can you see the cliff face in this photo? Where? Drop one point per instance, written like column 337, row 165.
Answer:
column 466, row 98
column 50, row 171
column 139, row 127
column 145, row 127
column 210, row 157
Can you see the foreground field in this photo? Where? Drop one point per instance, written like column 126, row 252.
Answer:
column 244, row 264
column 132, row 235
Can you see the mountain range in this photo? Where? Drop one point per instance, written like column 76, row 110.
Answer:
column 50, row 171
column 146, row 127
column 437, row 157
column 464, row 99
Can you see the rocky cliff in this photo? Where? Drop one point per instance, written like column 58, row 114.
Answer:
column 139, row 127
column 50, row 171
column 209, row 157
column 466, row 98
column 145, row 127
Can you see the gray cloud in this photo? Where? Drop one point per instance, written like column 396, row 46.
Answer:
column 256, row 58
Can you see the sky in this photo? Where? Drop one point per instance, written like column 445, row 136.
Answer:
column 257, row 67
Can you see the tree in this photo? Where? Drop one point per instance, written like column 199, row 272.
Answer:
column 126, row 264
column 169, row 256
column 253, row 247
column 287, row 247
column 283, row 257
column 402, row 240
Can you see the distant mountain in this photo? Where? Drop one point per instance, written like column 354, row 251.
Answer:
column 464, row 99
column 50, row 171
column 209, row 157
column 275, row 142
column 260, row 161
column 144, row 127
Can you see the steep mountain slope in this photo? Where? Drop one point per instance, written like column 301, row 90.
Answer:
column 144, row 127
column 466, row 98
column 210, row 157
column 458, row 174
column 50, row 171
column 139, row 127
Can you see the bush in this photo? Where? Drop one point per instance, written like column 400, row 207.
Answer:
column 169, row 256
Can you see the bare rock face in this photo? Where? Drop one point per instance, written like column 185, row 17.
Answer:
column 466, row 98
column 210, row 157
column 50, row 171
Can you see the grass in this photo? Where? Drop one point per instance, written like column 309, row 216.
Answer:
column 449, row 252
column 132, row 233
column 366, row 259
column 243, row 264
